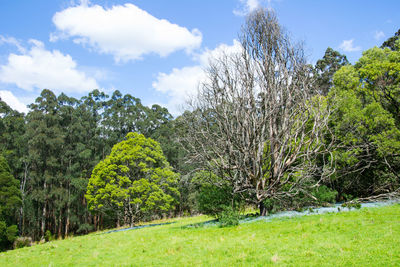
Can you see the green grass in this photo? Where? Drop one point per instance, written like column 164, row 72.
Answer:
column 366, row 237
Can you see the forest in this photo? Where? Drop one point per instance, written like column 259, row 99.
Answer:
column 266, row 130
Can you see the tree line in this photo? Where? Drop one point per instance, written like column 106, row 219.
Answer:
column 266, row 129
column 52, row 150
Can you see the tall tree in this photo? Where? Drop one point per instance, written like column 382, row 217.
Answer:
column 10, row 201
column 366, row 123
column 255, row 122
column 13, row 147
column 45, row 143
column 391, row 42
column 325, row 69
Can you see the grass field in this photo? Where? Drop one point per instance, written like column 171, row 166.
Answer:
column 366, row 237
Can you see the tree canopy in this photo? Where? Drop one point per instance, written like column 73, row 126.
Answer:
column 134, row 181
column 10, row 201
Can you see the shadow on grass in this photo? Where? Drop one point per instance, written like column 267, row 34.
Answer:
column 136, row 227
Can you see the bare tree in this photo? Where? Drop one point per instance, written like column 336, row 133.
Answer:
column 255, row 121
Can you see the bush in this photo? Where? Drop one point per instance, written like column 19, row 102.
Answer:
column 7, row 235
column 48, row 236
column 228, row 217
column 85, row 228
column 323, row 194
column 349, row 205
column 273, row 205
column 22, row 241
column 212, row 200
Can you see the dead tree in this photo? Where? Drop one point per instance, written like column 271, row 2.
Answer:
column 255, row 122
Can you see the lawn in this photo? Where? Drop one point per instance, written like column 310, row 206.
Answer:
column 366, row 237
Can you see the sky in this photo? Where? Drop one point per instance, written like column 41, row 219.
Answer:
column 157, row 50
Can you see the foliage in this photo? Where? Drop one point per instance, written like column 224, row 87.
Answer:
column 391, row 42
column 228, row 217
column 48, row 236
column 10, row 201
column 22, row 241
column 350, row 205
column 326, row 67
column 212, row 199
column 324, row 194
column 53, row 149
column 365, row 123
column 135, row 181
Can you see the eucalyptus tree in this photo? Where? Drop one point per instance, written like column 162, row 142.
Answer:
column 13, row 147
column 326, row 67
column 10, row 201
column 254, row 121
column 45, row 145
column 391, row 42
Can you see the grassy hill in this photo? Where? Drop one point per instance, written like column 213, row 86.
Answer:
column 366, row 237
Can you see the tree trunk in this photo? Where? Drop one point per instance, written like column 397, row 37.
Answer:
column 44, row 212
column 67, row 219
column 21, row 211
column 263, row 209
column 59, row 234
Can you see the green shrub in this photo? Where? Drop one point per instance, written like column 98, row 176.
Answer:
column 22, row 241
column 212, row 200
column 85, row 228
column 228, row 217
column 323, row 194
column 48, row 236
column 7, row 235
column 350, row 205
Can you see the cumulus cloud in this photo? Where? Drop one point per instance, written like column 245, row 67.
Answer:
column 379, row 35
column 348, row 46
column 40, row 68
column 180, row 84
column 13, row 101
column 124, row 31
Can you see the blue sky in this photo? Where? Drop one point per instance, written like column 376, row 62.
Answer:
column 156, row 49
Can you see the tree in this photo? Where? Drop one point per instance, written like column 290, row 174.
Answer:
column 254, row 122
column 391, row 42
column 325, row 69
column 13, row 147
column 134, row 182
column 366, row 123
column 45, row 147
column 10, row 201
column 378, row 71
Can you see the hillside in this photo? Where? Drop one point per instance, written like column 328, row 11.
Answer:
column 366, row 237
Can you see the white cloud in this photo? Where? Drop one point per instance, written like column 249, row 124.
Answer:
column 180, row 84
column 40, row 68
column 124, row 31
column 348, row 46
column 247, row 6
column 379, row 35
column 12, row 41
column 12, row 101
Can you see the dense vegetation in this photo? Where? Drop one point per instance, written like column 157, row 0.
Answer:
column 308, row 136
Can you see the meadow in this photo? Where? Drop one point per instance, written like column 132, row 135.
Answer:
column 365, row 237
